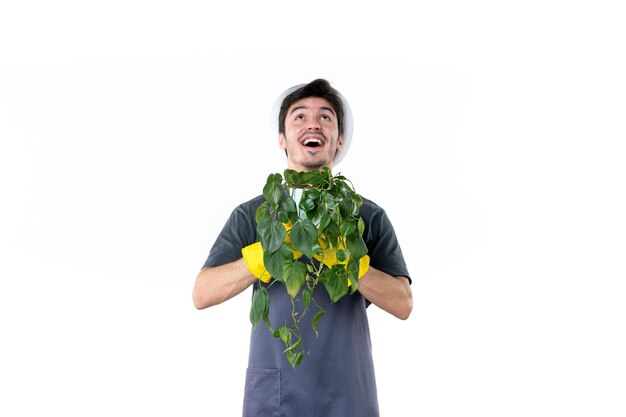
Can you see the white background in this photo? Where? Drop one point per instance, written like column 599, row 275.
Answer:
column 491, row 132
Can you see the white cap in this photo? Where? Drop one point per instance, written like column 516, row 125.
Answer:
column 347, row 120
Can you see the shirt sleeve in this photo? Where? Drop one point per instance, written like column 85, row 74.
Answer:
column 382, row 243
column 238, row 232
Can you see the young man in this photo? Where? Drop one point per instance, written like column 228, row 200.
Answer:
column 336, row 378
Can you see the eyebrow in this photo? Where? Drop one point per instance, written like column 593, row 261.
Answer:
column 305, row 107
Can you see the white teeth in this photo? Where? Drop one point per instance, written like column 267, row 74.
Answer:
column 312, row 140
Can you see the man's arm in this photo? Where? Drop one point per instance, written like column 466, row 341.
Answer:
column 392, row 294
column 218, row 284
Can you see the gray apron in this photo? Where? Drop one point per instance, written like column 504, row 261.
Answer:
column 336, row 378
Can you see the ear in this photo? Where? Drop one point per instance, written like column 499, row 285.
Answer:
column 340, row 142
column 282, row 142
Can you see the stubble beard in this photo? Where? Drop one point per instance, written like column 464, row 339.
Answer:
column 315, row 164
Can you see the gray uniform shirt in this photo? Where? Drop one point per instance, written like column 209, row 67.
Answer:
column 336, row 378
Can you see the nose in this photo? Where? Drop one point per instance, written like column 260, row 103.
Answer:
column 314, row 124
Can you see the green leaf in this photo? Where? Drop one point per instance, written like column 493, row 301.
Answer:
column 294, row 275
column 306, row 298
column 352, row 269
column 356, row 246
column 307, row 204
column 273, row 190
column 317, row 250
column 282, row 216
column 259, row 309
column 316, row 320
column 312, row 194
column 292, row 178
column 341, row 183
column 284, row 334
column 332, row 234
column 314, row 216
column 361, row 226
column 335, row 191
column 348, row 226
column 342, row 255
column 304, row 236
column 335, row 216
column 324, row 221
column 313, row 177
column 293, row 347
column 347, row 207
column 357, row 201
column 294, row 358
column 275, row 262
column 293, row 216
column 271, row 234
column 335, row 280
column 263, row 212
column 289, row 205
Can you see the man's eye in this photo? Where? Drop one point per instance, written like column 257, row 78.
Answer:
column 325, row 117
column 299, row 117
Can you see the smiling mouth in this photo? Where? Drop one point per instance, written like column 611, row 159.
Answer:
column 313, row 143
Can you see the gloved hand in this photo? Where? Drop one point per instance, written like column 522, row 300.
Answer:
column 364, row 266
column 329, row 258
column 253, row 256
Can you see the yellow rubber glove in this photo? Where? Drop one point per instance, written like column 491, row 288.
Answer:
column 253, row 256
column 364, row 265
column 330, row 258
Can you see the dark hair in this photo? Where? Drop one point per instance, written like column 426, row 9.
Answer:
column 316, row 88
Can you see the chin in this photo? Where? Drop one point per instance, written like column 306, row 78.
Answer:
column 314, row 164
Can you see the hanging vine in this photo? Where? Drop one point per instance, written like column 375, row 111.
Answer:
column 311, row 234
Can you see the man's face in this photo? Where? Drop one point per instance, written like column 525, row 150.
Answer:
column 311, row 135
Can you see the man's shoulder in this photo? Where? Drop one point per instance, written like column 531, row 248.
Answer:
column 253, row 202
column 250, row 206
column 370, row 208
